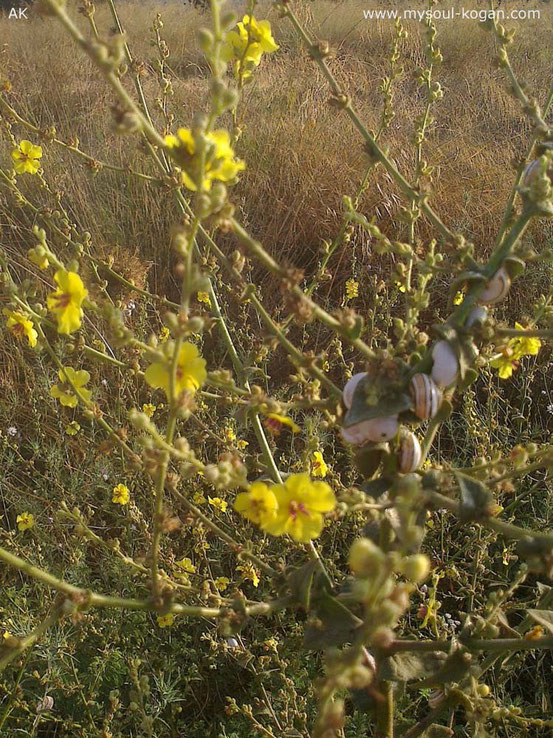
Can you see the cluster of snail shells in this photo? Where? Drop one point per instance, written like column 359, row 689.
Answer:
column 376, row 430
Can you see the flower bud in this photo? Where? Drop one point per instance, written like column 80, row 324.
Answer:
column 415, row 568
column 365, row 558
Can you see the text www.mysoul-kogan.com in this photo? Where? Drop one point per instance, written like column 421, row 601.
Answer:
column 452, row 13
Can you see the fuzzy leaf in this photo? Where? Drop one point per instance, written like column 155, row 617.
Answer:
column 410, row 666
column 453, row 669
column 306, row 582
column 543, row 617
column 388, row 405
column 367, row 460
column 476, row 498
column 335, row 625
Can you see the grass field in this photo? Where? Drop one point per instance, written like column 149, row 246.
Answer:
column 115, row 672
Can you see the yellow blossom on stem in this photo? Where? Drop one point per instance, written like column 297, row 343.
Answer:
column 222, row 583
column 66, row 302
column 247, row 44
column 199, row 498
column 186, row 565
column 259, row 504
column 318, row 465
column 352, row 289
column 204, row 297
column 276, row 423
column 249, row 571
column 149, row 409
column 218, row 503
column 72, row 428
column 21, row 326
column 79, row 379
column 120, row 495
column 219, row 163
column 301, row 504
column 165, row 621
column 25, row 521
column 459, row 297
column 505, row 362
column 524, row 346
column 38, row 256
column 190, row 375
column 26, row 157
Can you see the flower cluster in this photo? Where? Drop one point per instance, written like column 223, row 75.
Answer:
column 507, row 361
column 217, row 162
column 295, row 508
column 247, row 44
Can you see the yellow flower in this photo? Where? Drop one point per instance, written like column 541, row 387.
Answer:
column 248, row 44
column 38, row 256
column 21, row 326
column 71, row 377
column 72, row 428
column 259, row 504
column 66, row 302
column 26, row 157
column 352, row 289
column 199, row 498
column 318, row 465
column 242, row 444
column 219, row 162
column 218, row 503
column 6, row 634
column 276, row 422
column 459, row 297
column 186, row 565
column 121, row 495
column 165, row 621
column 505, row 362
column 401, row 287
column 191, row 373
column 204, row 297
column 249, row 572
column 523, row 346
column 222, row 583
column 149, row 409
column 301, row 504
column 229, row 434
column 534, row 633
column 164, row 334
column 25, row 521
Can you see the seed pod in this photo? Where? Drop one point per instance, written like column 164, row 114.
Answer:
column 446, row 366
column 496, row 289
column 410, row 453
column 373, row 431
column 426, row 395
column 476, row 315
column 350, row 388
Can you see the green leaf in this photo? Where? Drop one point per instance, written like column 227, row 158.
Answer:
column 453, row 669
column 367, row 460
column 476, row 498
column 544, row 618
column 335, row 624
column 410, row 666
column 514, row 266
column 390, row 404
column 301, row 583
column 377, row 487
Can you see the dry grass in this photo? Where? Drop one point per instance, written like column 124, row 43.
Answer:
column 302, row 156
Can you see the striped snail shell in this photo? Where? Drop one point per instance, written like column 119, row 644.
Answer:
column 427, row 396
column 476, row 315
column 446, row 366
column 410, row 453
column 496, row 289
column 375, row 430
column 350, row 388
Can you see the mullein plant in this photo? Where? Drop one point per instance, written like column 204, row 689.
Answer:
column 387, row 411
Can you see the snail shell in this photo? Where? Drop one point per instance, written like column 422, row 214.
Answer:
column 375, row 430
column 476, row 315
column 426, row 395
column 350, row 388
column 410, row 453
column 496, row 289
column 446, row 366
column 530, row 172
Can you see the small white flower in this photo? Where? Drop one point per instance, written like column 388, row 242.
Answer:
column 12, row 431
column 550, row 408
